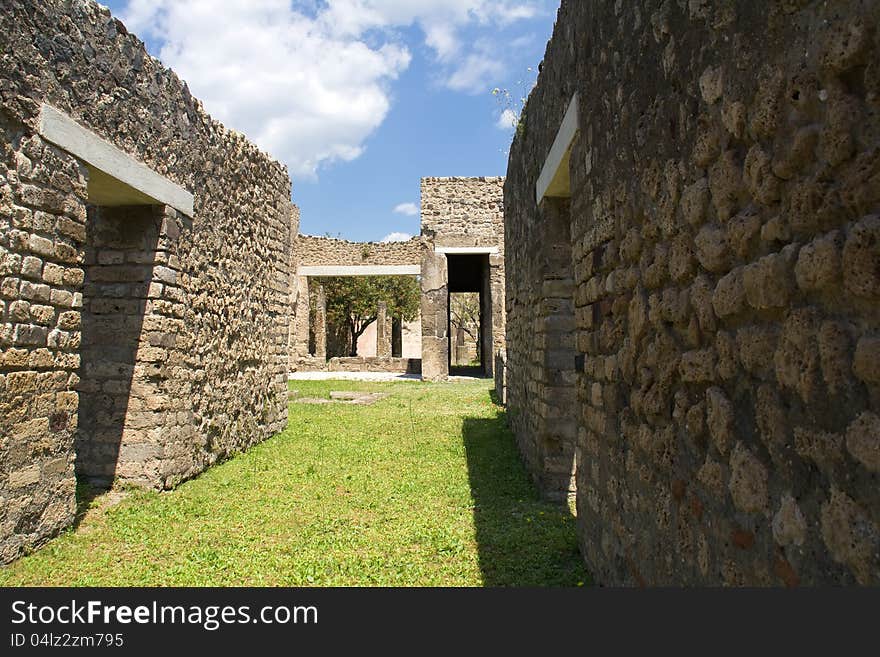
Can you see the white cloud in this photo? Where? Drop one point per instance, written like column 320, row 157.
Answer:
column 477, row 70
column 409, row 209
column 310, row 81
column 507, row 120
column 397, row 237
column 463, row 68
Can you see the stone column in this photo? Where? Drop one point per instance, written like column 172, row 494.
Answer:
column 435, row 317
column 396, row 337
column 300, row 334
column 320, row 323
column 499, row 314
column 383, row 331
column 486, row 322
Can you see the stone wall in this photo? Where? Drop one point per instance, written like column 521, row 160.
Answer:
column 386, row 364
column 186, row 318
column 723, row 241
column 317, row 251
column 463, row 211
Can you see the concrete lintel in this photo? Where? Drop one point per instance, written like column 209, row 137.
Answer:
column 553, row 181
column 130, row 181
column 467, row 250
column 361, row 270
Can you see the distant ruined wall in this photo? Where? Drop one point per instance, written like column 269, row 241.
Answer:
column 316, row 251
column 709, row 293
column 460, row 212
column 162, row 337
column 463, row 211
column 313, row 251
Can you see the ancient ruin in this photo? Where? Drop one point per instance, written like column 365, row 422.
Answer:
column 678, row 283
column 154, row 287
column 460, row 250
column 324, row 256
column 693, row 278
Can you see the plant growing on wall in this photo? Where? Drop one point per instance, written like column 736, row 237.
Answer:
column 513, row 102
column 353, row 302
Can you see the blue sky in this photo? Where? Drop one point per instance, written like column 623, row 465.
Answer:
column 360, row 98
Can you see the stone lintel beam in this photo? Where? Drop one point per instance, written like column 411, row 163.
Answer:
column 115, row 178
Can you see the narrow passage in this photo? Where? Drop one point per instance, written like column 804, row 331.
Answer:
column 422, row 486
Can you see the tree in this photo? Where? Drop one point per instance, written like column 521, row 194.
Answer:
column 353, row 301
column 464, row 315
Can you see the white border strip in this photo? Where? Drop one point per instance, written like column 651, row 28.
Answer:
column 64, row 132
column 360, row 270
column 464, row 250
column 561, row 144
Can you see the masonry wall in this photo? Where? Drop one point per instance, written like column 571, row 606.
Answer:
column 208, row 364
column 724, row 244
column 327, row 251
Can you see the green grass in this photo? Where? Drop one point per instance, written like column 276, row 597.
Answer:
column 423, row 488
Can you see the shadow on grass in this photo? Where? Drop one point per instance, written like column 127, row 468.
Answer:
column 86, row 493
column 493, row 395
column 522, row 539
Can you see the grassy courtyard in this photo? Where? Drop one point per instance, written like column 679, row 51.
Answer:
column 422, row 488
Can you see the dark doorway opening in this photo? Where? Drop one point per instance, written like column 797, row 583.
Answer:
column 469, row 283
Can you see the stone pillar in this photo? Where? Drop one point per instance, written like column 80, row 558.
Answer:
column 487, row 345
column 435, row 317
column 300, row 334
column 320, row 326
column 499, row 315
column 383, row 331
column 396, row 337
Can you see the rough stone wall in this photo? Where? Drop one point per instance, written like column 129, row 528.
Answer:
column 213, row 342
column 725, row 252
column 316, row 251
column 362, row 364
column 463, row 211
column 470, row 212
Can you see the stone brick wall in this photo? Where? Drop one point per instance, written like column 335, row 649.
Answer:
column 316, row 251
column 386, row 364
column 205, row 371
column 463, row 211
column 724, row 241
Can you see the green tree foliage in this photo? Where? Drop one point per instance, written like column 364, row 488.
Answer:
column 464, row 315
column 353, row 301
